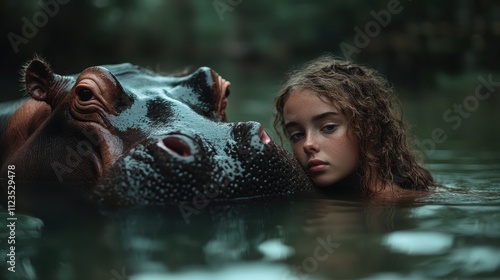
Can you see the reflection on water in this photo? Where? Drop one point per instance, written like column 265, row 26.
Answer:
column 454, row 233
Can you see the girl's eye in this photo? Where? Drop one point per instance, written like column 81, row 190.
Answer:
column 329, row 127
column 294, row 137
column 85, row 94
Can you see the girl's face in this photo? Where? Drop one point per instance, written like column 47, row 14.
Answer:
column 320, row 137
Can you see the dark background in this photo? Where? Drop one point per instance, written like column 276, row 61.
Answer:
column 431, row 51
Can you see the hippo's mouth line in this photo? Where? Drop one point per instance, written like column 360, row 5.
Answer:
column 178, row 145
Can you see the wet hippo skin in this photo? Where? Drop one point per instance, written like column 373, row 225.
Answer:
column 140, row 137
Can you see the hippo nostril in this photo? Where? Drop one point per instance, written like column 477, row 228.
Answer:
column 252, row 133
column 177, row 145
column 264, row 138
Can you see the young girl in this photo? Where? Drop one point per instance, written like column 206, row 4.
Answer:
column 345, row 129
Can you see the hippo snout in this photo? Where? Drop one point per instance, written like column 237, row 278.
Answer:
column 233, row 160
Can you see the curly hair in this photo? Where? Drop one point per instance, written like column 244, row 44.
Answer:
column 374, row 115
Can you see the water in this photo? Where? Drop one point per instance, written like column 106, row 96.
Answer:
column 453, row 233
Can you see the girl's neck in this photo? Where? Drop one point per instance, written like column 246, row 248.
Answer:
column 351, row 185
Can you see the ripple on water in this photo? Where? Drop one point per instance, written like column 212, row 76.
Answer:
column 418, row 243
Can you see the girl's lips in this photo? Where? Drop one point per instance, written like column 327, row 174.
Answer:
column 316, row 165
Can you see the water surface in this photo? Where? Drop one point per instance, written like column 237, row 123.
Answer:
column 453, row 233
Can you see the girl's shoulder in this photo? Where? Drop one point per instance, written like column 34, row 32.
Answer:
column 395, row 193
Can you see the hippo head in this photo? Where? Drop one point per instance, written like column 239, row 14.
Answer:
column 144, row 138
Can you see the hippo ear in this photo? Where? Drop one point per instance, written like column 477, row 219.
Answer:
column 204, row 91
column 38, row 78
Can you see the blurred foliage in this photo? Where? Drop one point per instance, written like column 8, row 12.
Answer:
column 429, row 47
column 450, row 36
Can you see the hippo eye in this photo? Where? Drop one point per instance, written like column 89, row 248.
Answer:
column 85, row 94
column 227, row 92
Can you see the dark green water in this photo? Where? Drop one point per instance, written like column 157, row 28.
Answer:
column 450, row 234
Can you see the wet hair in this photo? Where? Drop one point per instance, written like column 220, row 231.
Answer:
column 374, row 115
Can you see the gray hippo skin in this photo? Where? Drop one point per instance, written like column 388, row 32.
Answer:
column 140, row 137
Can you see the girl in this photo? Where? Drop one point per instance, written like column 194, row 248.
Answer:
column 346, row 131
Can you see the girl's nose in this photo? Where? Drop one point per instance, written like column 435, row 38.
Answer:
column 310, row 144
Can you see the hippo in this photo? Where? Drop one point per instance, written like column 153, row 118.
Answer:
column 139, row 137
